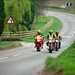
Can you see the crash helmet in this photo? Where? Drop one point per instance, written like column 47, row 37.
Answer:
column 50, row 32
column 56, row 33
column 38, row 32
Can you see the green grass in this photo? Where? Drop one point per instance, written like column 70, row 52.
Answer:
column 65, row 61
column 8, row 44
column 41, row 22
column 28, row 39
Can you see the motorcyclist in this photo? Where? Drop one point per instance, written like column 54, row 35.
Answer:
column 58, row 37
column 39, row 38
column 53, row 42
column 49, row 36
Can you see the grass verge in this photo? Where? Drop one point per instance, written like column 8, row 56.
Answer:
column 8, row 45
column 66, row 62
column 45, row 24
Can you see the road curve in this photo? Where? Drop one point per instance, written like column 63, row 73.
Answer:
column 25, row 60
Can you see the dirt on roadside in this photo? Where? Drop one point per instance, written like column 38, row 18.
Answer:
column 51, row 72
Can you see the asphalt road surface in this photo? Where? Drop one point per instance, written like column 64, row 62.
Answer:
column 25, row 60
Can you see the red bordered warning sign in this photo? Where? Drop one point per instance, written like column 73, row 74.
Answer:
column 10, row 20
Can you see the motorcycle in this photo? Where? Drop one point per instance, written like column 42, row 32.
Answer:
column 38, row 45
column 50, row 45
column 57, row 45
column 58, row 42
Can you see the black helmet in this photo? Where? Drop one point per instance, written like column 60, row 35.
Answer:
column 57, row 33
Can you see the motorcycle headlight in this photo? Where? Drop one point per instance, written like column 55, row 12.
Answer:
column 57, row 40
column 50, row 41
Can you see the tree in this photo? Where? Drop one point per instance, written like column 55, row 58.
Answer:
column 26, row 19
column 28, row 16
column 2, row 16
column 33, row 11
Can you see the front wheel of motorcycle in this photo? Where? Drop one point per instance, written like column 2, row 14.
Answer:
column 38, row 49
column 50, row 51
column 56, row 49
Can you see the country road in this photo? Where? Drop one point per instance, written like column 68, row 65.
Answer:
column 25, row 60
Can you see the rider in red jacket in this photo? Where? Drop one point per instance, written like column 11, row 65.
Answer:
column 39, row 38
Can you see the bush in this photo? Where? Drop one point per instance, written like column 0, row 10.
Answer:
column 2, row 16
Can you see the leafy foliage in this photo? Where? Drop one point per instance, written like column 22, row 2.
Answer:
column 2, row 16
column 22, row 11
column 28, row 16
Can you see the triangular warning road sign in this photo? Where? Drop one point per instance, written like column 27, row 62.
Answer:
column 10, row 20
